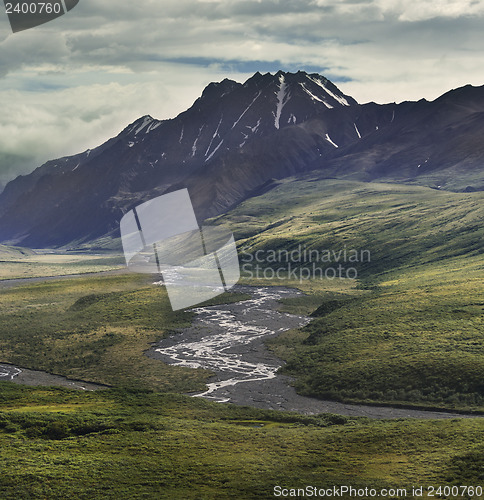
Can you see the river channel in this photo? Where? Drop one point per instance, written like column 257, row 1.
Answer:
column 228, row 339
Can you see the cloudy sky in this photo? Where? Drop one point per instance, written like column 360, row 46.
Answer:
column 70, row 84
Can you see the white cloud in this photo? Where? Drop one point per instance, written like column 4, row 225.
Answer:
column 404, row 10
column 415, row 10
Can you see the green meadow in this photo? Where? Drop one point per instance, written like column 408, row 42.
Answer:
column 125, row 444
column 409, row 331
column 17, row 263
column 96, row 328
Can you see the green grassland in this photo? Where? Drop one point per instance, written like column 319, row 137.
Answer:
column 58, row 443
column 411, row 329
column 409, row 342
column 18, row 263
column 96, row 328
column 9, row 252
column 408, row 331
column 401, row 226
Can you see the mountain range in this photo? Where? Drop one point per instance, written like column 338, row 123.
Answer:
column 235, row 142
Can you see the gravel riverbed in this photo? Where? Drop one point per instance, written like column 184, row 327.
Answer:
column 229, row 340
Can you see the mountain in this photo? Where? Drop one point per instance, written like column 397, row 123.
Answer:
column 438, row 144
column 232, row 144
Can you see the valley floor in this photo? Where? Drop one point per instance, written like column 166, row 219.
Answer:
column 408, row 332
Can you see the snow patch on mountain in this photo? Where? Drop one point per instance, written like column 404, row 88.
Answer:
column 194, row 147
column 328, row 138
column 215, row 134
column 146, row 121
column 154, row 124
column 314, row 97
column 215, row 150
column 357, row 131
column 246, row 109
column 254, row 129
column 282, row 99
column 336, row 97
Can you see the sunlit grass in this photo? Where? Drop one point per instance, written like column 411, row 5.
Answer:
column 410, row 330
column 23, row 263
column 118, row 444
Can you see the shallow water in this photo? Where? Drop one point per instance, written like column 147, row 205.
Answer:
column 227, row 339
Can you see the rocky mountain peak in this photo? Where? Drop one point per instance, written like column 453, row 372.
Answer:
column 232, row 141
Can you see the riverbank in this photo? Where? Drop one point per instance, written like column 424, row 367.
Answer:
column 228, row 339
column 25, row 376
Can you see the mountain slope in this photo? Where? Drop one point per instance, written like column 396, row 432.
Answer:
column 413, row 332
column 438, row 144
column 234, row 141
column 84, row 196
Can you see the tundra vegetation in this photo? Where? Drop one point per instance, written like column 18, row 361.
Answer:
column 408, row 331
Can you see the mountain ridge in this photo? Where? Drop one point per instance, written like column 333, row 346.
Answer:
column 232, row 141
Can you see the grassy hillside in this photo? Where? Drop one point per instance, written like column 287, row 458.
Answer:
column 417, row 336
column 401, row 226
column 8, row 252
column 413, row 342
